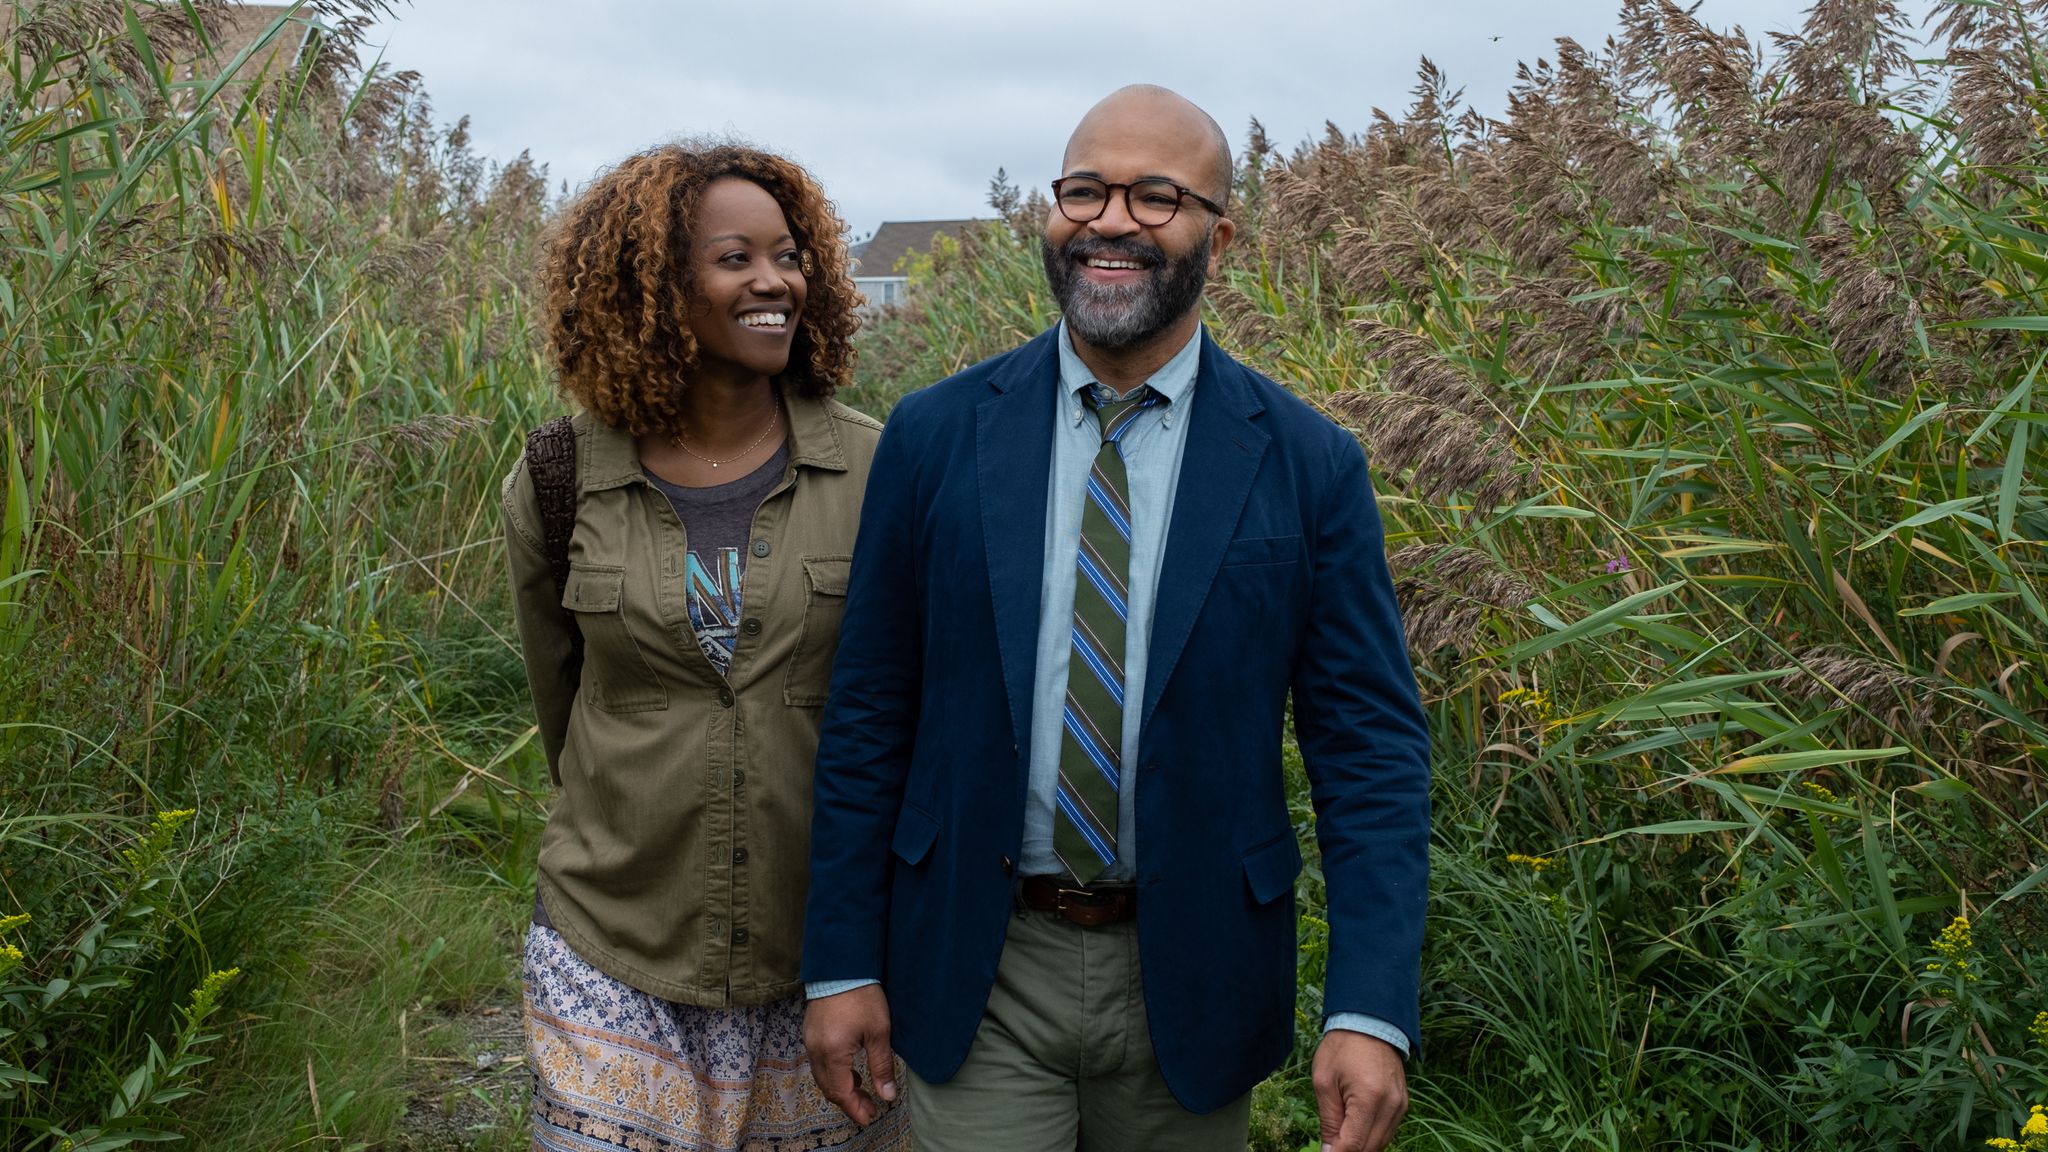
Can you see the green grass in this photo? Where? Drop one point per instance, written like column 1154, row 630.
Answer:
column 263, row 357
column 407, row 976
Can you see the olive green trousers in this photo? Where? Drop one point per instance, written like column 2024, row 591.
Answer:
column 1063, row 1060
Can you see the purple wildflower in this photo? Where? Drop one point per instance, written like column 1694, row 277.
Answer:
column 1618, row 564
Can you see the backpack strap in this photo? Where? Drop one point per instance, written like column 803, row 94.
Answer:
column 551, row 462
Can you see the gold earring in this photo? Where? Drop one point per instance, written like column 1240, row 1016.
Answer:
column 807, row 263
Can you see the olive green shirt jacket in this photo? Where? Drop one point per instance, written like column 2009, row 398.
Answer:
column 675, row 856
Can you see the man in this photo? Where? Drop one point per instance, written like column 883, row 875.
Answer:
column 1050, row 814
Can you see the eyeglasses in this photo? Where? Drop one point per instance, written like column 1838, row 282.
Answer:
column 1150, row 202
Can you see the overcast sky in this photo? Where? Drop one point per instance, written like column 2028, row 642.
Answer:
column 905, row 108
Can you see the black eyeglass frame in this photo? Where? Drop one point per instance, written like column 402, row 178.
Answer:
column 1109, row 190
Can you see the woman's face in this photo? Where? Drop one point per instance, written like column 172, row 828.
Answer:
column 750, row 290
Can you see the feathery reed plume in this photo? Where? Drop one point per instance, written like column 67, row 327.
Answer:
column 88, row 30
column 417, row 437
column 1560, row 335
column 1995, row 107
column 1638, row 51
column 255, row 251
column 1411, row 364
column 1845, row 49
column 1393, row 250
column 398, row 260
column 1537, row 207
column 1826, row 123
column 1256, row 142
column 1712, row 80
column 1813, row 140
column 1245, row 326
column 1443, row 450
column 1614, row 151
column 1831, row 674
column 1445, row 208
column 1871, row 321
column 1446, row 592
column 1982, row 24
column 1299, row 204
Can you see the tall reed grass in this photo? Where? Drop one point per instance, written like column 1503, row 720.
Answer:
column 1701, row 393
column 264, row 357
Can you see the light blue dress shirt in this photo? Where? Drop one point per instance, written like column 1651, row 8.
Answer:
column 1152, row 449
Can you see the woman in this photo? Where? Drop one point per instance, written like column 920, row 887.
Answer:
column 700, row 313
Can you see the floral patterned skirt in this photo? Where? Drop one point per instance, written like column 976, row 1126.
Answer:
column 615, row 1068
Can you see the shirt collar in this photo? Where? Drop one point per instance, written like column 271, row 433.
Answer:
column 813, row 440
column 1174, row 380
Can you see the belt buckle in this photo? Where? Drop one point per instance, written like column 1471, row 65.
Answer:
column 1059, row 899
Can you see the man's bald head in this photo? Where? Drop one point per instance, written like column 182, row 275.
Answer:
column 1149, row 110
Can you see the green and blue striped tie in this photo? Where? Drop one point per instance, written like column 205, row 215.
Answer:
column 1091, row 748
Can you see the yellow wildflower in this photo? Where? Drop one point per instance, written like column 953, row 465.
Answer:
column 1532, row 863
column 1529, row 700
column 10, row 958
column 1955, row 956
column 1819, row 792
column 207, row 995
column 10, row 923
column 1954, row 946
column 2039, row 1029
column 157, row 840
column 2033, row 1134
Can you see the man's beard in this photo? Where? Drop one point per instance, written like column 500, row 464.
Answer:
column 1115, row 317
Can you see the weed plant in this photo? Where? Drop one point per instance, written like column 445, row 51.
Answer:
column 263, row 358
column 1701, row 395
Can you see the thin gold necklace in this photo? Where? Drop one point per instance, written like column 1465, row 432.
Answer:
column 681, row 440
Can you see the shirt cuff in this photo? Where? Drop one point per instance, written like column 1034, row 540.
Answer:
column 819, row 989
column 1372, row 1026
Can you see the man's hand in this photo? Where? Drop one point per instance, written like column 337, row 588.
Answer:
column 1361, row 1091
column 838, row 1028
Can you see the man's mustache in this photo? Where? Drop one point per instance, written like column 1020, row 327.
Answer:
column 1137, row 251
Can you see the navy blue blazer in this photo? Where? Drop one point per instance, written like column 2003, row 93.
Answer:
column 1274, row 582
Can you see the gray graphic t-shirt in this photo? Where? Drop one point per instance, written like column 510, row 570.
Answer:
column 717, row 522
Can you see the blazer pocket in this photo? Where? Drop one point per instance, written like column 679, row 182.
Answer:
column 817, row 638
column 616, row 675
column 1270, row 868
column 1262, row 550
column 915, row 833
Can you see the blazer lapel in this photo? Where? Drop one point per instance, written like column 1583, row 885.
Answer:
column 1013, row 465
column 1222, row 456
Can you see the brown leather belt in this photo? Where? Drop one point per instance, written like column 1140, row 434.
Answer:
column 1088, row 907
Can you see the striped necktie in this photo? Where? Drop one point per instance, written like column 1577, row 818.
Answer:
column 1091, row 747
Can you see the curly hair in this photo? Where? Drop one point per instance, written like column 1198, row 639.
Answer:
column 618, row 283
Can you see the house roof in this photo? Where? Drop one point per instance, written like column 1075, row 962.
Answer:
column 881, row 253
column 239, row 26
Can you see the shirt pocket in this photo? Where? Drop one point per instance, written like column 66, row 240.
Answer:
column 817, row 638
column 616, row 675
